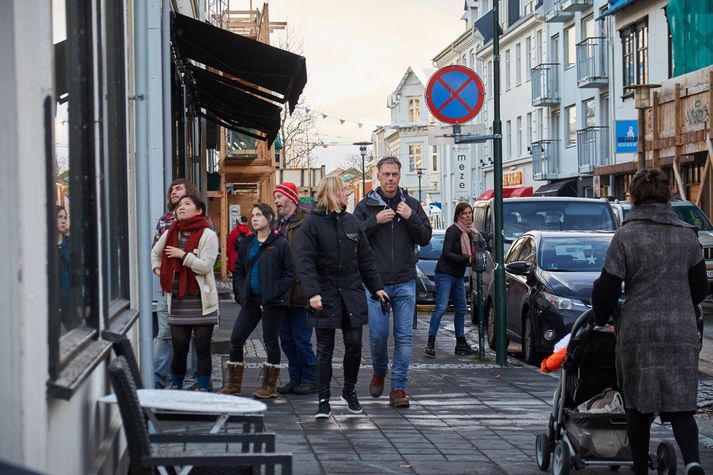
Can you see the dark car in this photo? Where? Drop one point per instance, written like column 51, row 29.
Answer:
column 536, row 213
column 549, row 277
column 428, row 258
column 425, row 289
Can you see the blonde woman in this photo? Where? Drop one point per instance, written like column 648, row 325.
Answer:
column 333, row 258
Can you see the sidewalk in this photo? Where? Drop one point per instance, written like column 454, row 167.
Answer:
column 465, row 416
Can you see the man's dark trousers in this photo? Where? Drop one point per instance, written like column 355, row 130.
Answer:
column 296, row 342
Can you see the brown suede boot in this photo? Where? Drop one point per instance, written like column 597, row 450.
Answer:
column 235, row 378
column 268, row 390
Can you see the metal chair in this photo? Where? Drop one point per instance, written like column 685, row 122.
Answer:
column 144, row 458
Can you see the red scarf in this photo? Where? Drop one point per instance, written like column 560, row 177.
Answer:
column 186, row 277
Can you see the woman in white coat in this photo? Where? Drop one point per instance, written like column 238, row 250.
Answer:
column 183, row 259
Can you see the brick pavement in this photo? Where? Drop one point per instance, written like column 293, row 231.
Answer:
column 466, row 416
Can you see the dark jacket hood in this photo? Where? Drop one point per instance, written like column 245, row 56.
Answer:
column 374, row 198
column 661, row 213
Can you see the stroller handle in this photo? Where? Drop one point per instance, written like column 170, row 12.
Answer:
column 585, row 319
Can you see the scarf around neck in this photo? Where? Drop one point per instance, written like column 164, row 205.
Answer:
column 186, row 277
column 467, row 233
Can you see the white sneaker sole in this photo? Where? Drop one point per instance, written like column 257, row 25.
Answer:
column 350, row 409
column 321, row 415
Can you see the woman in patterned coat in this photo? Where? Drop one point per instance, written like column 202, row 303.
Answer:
column 658, row 258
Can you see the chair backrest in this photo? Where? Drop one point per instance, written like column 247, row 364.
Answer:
column 122, row 347
column 132, row 416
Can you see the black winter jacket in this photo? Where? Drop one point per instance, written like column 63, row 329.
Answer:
column 394, row 243
column 452, row 261
column 277, row 269
column 333, row 258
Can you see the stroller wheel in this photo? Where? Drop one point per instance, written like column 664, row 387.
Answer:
column 562, row 459
column 542, row 451
column 666, row 458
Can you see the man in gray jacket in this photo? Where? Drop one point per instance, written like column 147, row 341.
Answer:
column 394, row 223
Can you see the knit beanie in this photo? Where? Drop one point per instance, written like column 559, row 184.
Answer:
column 289, row 190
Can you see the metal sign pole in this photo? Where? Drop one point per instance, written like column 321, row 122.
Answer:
column 500, row 322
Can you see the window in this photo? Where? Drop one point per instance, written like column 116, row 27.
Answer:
column 518, row 65
column 88, row 246
column 528, row 58
column 635, row 53
column 538, row 47
column 508, row 143
column 588, row 27
column 571, row 121
column 434, row 158
column 555, row 125
column 414, row 158
column 414, row 109
column 472, row 59
column 540, row 125
column 588, row 108
column 528, row 137
column 555, row 49
column 518, row 137
column 490, row 75
column 507, row 69
column 569, row 47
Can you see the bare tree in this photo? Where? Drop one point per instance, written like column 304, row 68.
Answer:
column 298, row 130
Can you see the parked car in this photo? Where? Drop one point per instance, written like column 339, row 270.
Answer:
column 428, row 257
column 425, row 289
column 549, row 277
column 691, row 214
column 521, row 215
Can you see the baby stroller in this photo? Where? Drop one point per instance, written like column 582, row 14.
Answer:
column 576, row 439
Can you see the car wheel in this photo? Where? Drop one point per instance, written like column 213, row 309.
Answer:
column 529, row 350
column 490, row 330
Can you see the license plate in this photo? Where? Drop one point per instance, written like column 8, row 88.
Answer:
column 709, row 273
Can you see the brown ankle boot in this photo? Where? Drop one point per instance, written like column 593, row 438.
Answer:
column 235, row 378
column 268, row 390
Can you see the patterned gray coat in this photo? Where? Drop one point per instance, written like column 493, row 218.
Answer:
column 656, row 334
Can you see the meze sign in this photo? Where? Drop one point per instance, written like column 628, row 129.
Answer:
column 455, row 94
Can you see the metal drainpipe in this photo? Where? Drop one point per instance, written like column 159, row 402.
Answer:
column 142, row 194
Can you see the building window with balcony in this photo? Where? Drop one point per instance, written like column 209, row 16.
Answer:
column 635, row 53
column 538, row 47
column 414, row 109
column 434, row 158
column 518, row 137
column 570, row 115
column 588, row 108
column 508, row 143
column 414, row 158
column 490, row 74
column 507, row 70
column 528, row 58
column 570, row 54
column 518, row 64
column 588, row 27
column 528, row 137
column 555, row 48
column 540, row 125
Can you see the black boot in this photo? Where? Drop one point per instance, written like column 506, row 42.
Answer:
column 462, row 347
column 430, row 349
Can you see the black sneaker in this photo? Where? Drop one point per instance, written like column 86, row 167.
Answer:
column 323, row 411
column 352, row 403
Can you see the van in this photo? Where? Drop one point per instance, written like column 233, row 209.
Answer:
column 534, row 213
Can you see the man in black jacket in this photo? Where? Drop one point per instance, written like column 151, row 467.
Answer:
column 394, row 223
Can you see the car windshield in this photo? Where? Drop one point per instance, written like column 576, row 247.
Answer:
column 520, row 217
column 693, row 215
column 573, row 254
column 432, row 251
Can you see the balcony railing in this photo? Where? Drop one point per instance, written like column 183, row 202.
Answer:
column 555, row 13
column 592, row 55
column 545, row 159
column 240, row 146
column 545, row 87
column 592, row 148
column 575, row 5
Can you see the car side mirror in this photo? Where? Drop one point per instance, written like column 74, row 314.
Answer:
column 518, row 268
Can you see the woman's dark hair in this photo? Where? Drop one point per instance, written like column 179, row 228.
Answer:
column 460, row 208
column 266, row 211
column 650, row 184
column 200, row 204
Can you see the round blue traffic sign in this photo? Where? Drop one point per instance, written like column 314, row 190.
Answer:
column 455, row 94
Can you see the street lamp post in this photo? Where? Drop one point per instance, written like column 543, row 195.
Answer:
column 419, row 173
column 642, row 101
column 362, row 150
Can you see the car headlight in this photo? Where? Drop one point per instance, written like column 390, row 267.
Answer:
column 563, row 303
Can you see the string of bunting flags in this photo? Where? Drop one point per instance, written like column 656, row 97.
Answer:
column 342, row 121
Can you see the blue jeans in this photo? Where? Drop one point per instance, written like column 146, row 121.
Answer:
column 448, row 286
column 403, row 303
column 296, row 343
column 162, row 346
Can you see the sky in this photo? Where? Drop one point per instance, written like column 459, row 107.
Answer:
column 357, row 52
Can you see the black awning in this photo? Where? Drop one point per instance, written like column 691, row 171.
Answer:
column 232, row 107
column 558, row 188
column 262, row 65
